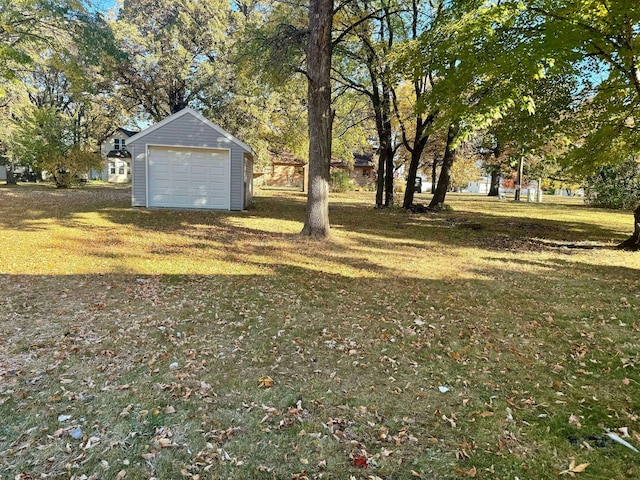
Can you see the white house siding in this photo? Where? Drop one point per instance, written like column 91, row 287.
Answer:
column 119, row 164
column 186, row 131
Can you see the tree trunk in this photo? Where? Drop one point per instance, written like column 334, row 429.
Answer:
column 320, row 117
column 380, row 180
column 519, row 180
column 633, row 242
column 411, row 177
column 381, row 104
column 434, row 176
column 389, row 173
column 421, row 139
column 445, row 170
column 495, row 183
column 11, row 178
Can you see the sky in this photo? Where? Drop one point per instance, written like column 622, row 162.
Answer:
column 104, row 5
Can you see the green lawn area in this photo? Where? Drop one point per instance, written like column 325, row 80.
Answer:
column 141, row 344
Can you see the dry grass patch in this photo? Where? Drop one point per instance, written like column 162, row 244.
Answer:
column 166, row 344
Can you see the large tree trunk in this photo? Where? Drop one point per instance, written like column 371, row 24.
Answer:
column 381, row 104
column 320, row 117
column 389, row 175
column 421, row 139
column 445, row 170
column 633, row 242
column 411, row 177
column 495, row 183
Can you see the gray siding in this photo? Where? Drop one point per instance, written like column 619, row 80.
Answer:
column 186, row 131
column 138, row 175
column 248, row 180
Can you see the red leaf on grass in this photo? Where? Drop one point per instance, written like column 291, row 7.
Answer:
column 360, row 462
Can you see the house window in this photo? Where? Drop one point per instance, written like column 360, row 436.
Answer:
column 365, row 173
column 122, row 145
column 112, row 168
column 116, row 144
column 121, row 170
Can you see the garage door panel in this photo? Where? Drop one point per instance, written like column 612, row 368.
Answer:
column 161, row 167
column 161, row 200
column 179, row 185
column 180, row 169
column 164, row 183
column 199, row 170
column 189, row 178
column 181, row 200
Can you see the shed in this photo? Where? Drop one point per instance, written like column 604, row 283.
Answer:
column 186, row 161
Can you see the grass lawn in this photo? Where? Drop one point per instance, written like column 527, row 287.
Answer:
column 472, row 343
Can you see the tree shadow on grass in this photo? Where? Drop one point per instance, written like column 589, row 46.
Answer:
column 29, row 210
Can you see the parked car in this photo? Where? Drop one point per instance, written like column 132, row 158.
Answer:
column 417, row 186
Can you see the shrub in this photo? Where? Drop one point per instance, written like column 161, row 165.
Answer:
column 615, row 186
column 47, row 140
column 341, row 181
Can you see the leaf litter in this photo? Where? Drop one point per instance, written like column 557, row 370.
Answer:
column 364, row 369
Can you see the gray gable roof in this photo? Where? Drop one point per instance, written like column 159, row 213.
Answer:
column 198, row 116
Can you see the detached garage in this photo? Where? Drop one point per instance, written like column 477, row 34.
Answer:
column 185, row 161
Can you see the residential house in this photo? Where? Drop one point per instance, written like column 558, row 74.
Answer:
column 362, row 171
column 284, row 170
column 118, row 159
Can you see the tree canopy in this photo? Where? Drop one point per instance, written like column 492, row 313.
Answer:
column 554, row 79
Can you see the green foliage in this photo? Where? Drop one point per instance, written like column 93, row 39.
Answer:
column 48, row 141
column 463, row 171
column 601, row 41
column 275, row 50
column 176, row 57
column 341, row 181
column 615, row 186
column 61, row 28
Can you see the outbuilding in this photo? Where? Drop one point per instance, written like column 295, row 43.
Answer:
column 186, row 161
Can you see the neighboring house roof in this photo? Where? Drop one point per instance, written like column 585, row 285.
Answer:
column 128, row 133
column 360, row 160
column 363, row 160
column 199, row 116
column 285, row 158
column 119, row 154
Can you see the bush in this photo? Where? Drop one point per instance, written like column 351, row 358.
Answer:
column 48, row 141
column 341, row 181
column 615, row 186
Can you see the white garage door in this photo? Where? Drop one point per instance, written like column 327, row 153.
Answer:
column 189, row 178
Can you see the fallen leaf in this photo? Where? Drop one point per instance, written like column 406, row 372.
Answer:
column 467, row 473
column 573, row 468
column 360, row 462
column 265, row 382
